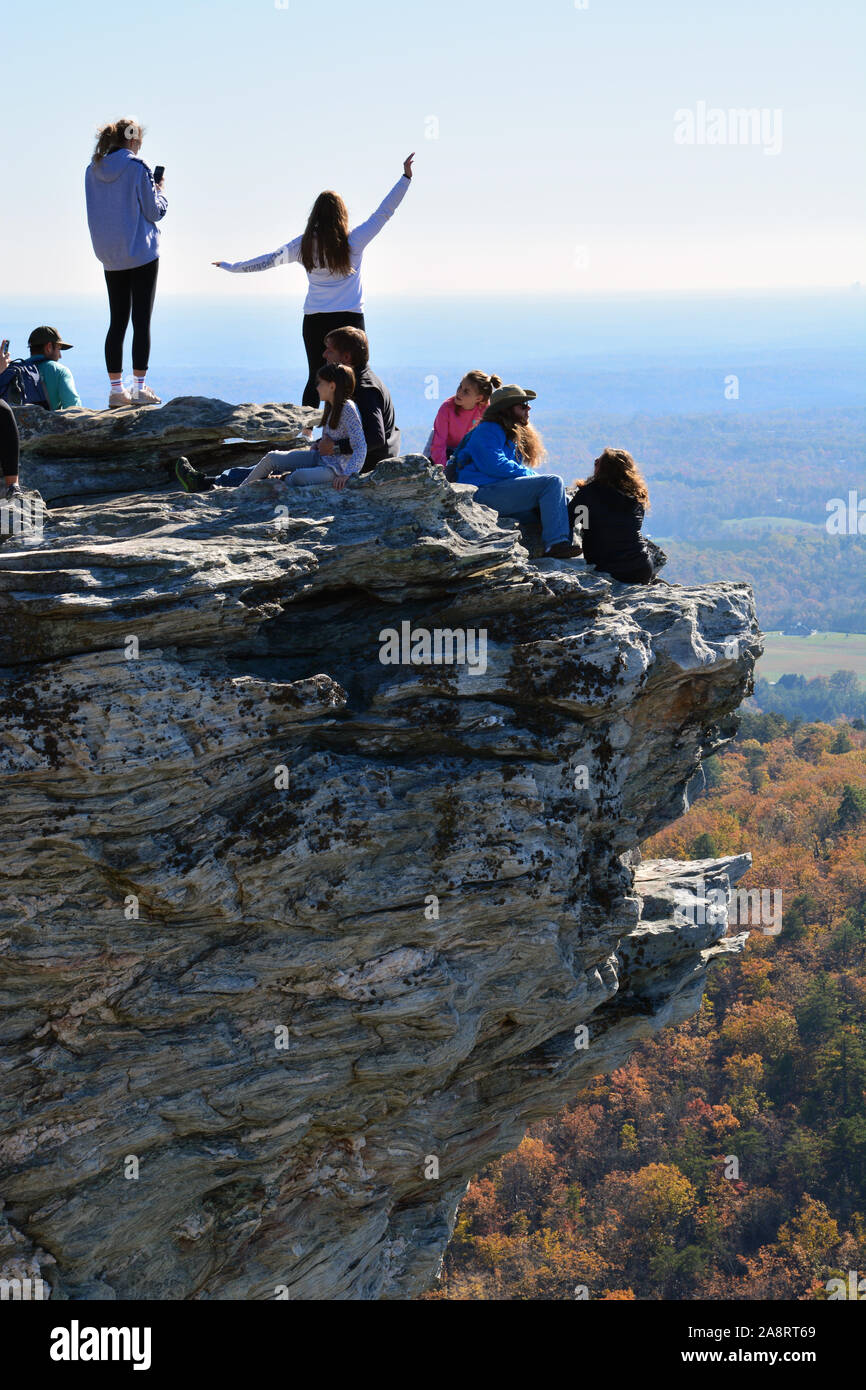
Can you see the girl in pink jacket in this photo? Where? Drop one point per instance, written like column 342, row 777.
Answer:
column 459, row 414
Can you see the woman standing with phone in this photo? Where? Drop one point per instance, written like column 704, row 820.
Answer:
column 331, row 255
column 125, row 202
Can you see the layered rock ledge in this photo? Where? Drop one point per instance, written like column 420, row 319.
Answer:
column 294, row 941
column 73, row 454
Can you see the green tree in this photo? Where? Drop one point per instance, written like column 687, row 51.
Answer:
column 796, row 915
column 841, row 1072
column 848, row 941
column 852, row 808
column 819, row 1014
column 704, row 846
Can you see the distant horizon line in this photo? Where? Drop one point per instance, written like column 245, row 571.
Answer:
column 298, row 294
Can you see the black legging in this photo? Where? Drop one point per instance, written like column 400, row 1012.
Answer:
column 8, row 442
column 316, row 329
column 130, row 289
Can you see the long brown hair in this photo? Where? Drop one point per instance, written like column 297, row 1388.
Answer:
column 527, row 441
column 114, row 136
column 617, row 469
column 345, row 379
column 325, row 243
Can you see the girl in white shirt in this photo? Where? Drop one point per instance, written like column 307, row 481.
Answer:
column 340, row 420
column 331, row 254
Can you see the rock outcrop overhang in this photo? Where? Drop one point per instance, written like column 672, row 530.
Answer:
column 294, row 940
column 70, row 455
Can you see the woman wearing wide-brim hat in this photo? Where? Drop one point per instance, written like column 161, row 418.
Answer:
column 500, row 458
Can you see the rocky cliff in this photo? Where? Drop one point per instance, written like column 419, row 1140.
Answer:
column 299, row 928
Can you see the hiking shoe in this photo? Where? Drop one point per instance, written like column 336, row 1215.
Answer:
column 13, row 490
column 563, row 551
column 145, row 397
column 190, row 478
column 118, row 399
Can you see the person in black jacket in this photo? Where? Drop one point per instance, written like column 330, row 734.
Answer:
column 350, row 347
column 9, row 449
column 615, row 499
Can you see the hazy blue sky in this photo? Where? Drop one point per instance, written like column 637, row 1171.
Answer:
column 555, row 166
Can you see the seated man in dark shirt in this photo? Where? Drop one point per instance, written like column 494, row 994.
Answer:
column 350, row 346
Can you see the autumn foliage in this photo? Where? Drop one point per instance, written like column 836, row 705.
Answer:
column 727, row 1159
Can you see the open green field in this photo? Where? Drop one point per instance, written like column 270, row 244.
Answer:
column 813, row 656
column 770, row 523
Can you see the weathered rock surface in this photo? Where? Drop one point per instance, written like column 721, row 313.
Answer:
column 72, row 454
column 284, row 923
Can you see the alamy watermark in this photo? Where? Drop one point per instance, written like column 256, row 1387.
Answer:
column 23, row 517
column 744, row 907
column 27, row 1290
column 441, row 646
column 736, row 125
column 854, row 1289
column 77, row 1343
column 846, row 517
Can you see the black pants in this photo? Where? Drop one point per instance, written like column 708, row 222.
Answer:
column 8, row 442
column 130, row 290
column 316, row 329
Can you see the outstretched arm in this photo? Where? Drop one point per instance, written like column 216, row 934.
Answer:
column 284, row 256
column 362, row 236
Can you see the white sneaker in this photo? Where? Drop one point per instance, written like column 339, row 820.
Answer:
column 118, row 399
column 145, row 396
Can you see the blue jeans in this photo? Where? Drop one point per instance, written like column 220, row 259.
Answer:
column 304, row 465
column 232, row 477
column 521, row 498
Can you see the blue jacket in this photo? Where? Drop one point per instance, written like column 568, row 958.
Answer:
column 486, row 456
column 123, row 208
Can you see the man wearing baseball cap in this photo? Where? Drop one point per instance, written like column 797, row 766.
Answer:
column 46, row 346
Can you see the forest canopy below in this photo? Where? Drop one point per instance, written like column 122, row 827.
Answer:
column 742, row 495
column 727, row 1159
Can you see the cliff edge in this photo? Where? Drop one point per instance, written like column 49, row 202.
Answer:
column 299, row 925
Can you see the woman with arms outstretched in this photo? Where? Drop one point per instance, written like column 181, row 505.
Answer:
column 331, row 254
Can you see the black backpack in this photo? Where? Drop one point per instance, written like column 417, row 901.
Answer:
column 21, row 384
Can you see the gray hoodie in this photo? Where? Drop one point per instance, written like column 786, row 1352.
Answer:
column 123, row 208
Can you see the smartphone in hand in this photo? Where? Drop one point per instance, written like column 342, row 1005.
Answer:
column 159, row 173
column 4, row 346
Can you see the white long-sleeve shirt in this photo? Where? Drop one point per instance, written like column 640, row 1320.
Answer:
column 329, row 293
